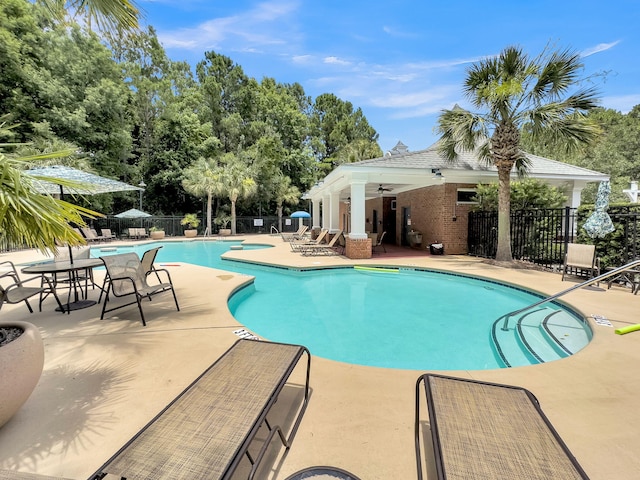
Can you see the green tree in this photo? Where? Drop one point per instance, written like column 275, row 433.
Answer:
column 529, row 193
column 284, row 192
column 238, row 180
column 515, row 92
column 204, row 178
column 336, row 125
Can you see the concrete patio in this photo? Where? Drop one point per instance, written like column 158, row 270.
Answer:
column 105, row 379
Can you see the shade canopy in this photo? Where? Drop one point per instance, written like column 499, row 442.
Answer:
column 599, row 224
column 300, row 214
column 133, row 213
column 92, row 184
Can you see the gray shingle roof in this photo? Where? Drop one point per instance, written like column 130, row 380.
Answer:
column 430, row 158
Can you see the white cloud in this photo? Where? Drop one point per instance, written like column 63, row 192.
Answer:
column 622, row 103
column 264, row 25
column 336, row 61
column 601, row 47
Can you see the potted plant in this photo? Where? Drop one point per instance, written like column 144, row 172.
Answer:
column 191, row 221
column 222, row 221
column 156, row 233
column 22, row 360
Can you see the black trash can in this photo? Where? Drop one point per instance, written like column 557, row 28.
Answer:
column 436, row 249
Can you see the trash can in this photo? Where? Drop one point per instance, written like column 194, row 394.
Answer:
column 414, row 237
column 436, row 249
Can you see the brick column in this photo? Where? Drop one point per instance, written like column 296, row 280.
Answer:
column 358, row 249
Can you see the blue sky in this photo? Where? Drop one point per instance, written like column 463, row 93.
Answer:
column 401, row 61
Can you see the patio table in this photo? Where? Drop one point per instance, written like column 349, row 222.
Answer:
column 73, row 269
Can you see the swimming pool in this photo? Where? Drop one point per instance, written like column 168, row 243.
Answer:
column 404, row 318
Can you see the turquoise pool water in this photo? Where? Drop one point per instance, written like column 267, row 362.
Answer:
column 407, row 319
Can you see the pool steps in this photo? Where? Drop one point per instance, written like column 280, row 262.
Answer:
column 540, row 336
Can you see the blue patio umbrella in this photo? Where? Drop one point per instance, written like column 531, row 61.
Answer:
column 132, row 213
column 300, row 215
column 599, row 224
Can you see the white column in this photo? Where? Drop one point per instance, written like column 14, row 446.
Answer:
column 326, row 208
column 315, row 213
column 358, row 210
column 574, row 199
column 334, row 222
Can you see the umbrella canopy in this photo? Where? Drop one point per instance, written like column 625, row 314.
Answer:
column 598, row 225
column 133, row 213
column 300, row 214
column 91, row 184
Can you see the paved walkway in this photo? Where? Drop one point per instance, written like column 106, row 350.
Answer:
column 103, row 380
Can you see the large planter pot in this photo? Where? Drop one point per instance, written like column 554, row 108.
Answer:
column 21, row 363
column 190, row 233
column 157, row 235
column 224, row 231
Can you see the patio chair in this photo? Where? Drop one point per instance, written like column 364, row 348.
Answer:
column 484, row 430
column 63, row 254
column 297, row 245
column 17, row 292
column 379, row 243
column 126, row 277
column 581, row 258
column 328, row 249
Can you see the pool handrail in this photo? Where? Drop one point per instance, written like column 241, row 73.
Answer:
column 586, row 283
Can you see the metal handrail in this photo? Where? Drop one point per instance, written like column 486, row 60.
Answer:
column 597, row 279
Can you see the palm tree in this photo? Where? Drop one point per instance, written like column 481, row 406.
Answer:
column 32, row 219
column 514, row 93
column 284, row 192
column 204, row 178
column 237, row 178
column 111, row 15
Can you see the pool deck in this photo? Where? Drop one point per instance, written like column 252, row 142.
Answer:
column 104, row 380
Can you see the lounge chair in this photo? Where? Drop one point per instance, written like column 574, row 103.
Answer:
column 206, row 431
column 298, row 245
column 91, row 235
column 581, row 258
column 137, row 233
column 16, row 291
column 379, row 243
column 107, row 234
column 328, row 249
column 488, row 431
column 297, row 235
column 125, row 276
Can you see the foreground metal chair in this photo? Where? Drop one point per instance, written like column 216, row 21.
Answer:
column 207, row 430
column 484, row 431
column 126, row 277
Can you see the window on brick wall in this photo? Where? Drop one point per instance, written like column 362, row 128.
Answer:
column 466, row 196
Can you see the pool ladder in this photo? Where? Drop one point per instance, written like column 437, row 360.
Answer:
column 504, row 319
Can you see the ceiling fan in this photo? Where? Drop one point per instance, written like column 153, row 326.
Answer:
column 381, row 189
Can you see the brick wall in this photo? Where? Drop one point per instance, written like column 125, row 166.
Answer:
column 358, row 249
column 435, row 213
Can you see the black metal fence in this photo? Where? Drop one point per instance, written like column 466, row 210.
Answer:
column 540, row 235
column 173, row 228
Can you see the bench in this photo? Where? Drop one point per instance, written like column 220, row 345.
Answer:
column 206, row 431
column 489, row 431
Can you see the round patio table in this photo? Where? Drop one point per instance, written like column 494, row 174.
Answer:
column 73, row 269
column 322, row 473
